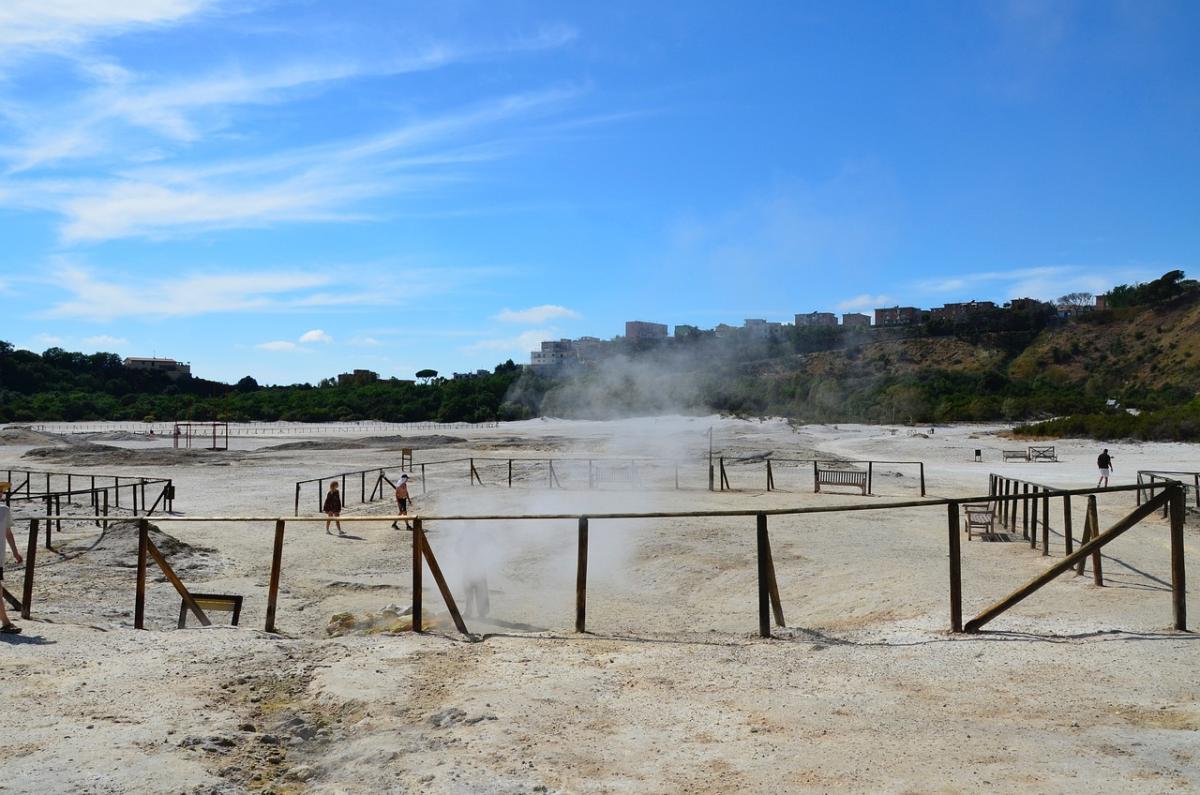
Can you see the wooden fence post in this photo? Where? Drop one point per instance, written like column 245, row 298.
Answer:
column 770, row 480
column 1045, row 523
column 871, row 476
column 764, row 596
column 955, row 567
column 139, row 604
column 418, row 541
column 273, row 586
column 423, row 479
column 581, row 577
column 1067, row 529
column 1178, row 584
column 1097, row 571
column 30, row 556
column 297, row 511
column 922, row 465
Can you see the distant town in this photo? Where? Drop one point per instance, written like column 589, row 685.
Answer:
column 556, row 354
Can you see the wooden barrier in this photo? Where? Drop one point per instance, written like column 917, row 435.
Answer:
column 769, row 602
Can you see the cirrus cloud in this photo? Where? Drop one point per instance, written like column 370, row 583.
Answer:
column 537, row 314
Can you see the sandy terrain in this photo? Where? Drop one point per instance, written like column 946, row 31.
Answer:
column 671, row 690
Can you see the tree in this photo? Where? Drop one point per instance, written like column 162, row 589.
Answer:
column 1077, row 300
column 247, row 384
column 426, row 375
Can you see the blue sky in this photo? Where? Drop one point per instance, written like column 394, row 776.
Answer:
column 294, row 189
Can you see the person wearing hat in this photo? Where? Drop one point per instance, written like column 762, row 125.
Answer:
column 6, row 627
column 402, row 499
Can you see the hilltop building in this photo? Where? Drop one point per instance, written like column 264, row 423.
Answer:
column 683, row 332
column 554, row 353
column 641, row 330
column 758, row 328
column 169, row 367
column 963, row 311
column 358, row 377
column 856, row 320
column 897, row 316
column 816, row 319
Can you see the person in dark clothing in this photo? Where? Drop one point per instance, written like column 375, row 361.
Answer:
column 333, row 506
column 1104, row 462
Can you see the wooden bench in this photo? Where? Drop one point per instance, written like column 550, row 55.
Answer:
column 855, row 478
column 981, row 516
column 1020, row 455
column 208, row 602
column 1042, row 453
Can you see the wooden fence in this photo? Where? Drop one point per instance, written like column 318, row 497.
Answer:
column 102, row 491
column 1151, row 479
column 768, row 601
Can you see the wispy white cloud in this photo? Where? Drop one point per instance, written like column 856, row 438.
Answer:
column 285, row 346
column 326, row 182
column 61, row 24
column 1045, row 282
column 865, row 301
column 536, row 314
column 101, row 340
column 104, row 297
column 316, row 335
column 521, row 344
column 100, row 299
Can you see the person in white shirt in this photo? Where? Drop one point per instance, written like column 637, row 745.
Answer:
column 6, row 627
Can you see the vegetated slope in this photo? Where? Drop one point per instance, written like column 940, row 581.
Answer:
column 1128, row 353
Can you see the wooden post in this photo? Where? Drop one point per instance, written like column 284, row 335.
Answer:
column 58, row 513
column 49, row 521
column 343, row 488
column 581, row 577
column 320, row 494
column 773, row 588
column 955, row 567
column 447, row 596
column 273, row 586
column 724, row 477
column 423, row 489
column 1025, row 510
column 922, row 465
column 297, row 511
column 764, row 595
column 871, row 476
column 1045, row 523
column 105, row 520
column 1178, row 583
column 417, row 567
column 139, row 604
column 816, row 479
column 143, row 485
column 510, row 474
column 133, row 496
column 363, row 474
column 1067, row 539
column 30, row 556
column 1097, row 571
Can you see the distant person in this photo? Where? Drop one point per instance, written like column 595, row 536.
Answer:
column 402, row 499
column 6, row 627
column 333, row 506
column 1104, row 462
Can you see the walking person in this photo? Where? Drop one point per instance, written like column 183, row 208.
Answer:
column 1104, row 462
column 333, row 506
column 402, row 499
column 7, row 525
column 6, row 627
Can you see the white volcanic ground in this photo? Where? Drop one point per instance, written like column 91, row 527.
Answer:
column 1078, row 688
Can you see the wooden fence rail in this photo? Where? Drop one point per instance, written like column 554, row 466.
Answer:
column 769, row 603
